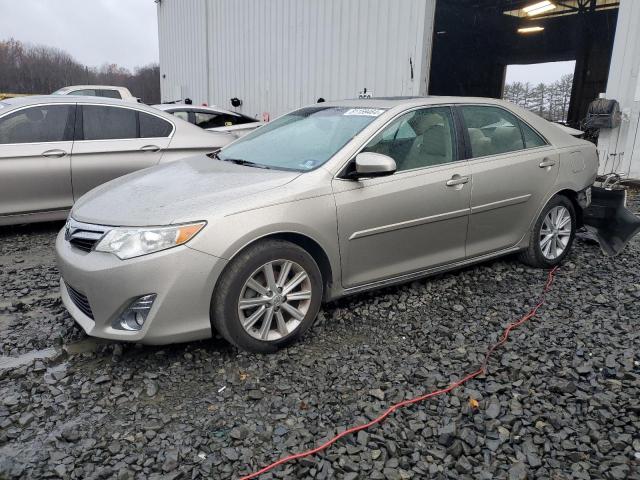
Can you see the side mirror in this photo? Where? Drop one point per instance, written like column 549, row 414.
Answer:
column 369, row 164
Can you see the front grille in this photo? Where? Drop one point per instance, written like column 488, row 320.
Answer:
column 83, row 236
column 83, row 244
column 80, row 301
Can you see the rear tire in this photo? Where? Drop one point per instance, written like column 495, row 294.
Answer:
column 267, row 297
column 552, row 235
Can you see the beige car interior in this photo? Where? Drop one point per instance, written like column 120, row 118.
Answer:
column 432, row 145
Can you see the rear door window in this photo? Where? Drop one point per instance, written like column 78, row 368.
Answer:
column 108, row 123
column 46, row 123
column 152, row 126
column 492, row 130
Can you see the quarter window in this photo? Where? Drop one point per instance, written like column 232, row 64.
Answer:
column 531, row 138
column 152, row 126
column 421, row 138
column 47, row 123
column 492, row 130
column 107, row 123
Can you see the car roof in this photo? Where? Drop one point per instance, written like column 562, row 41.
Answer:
column 390, row 102
column 74, row 87
column 186, row 106
column 82, row 99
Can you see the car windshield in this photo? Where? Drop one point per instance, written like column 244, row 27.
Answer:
column 302, row 140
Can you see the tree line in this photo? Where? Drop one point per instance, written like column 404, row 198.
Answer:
column 38, row 69
column 549, row 100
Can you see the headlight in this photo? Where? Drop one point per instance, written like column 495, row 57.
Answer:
column 134, row 242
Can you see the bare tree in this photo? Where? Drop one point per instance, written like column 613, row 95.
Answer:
column 42, row 70
column 549, row 100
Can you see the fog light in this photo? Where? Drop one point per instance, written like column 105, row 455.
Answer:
column 136, row 313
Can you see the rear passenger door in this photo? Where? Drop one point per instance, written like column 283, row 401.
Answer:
column 112, row 141
column 35, row 159
column 512, row 170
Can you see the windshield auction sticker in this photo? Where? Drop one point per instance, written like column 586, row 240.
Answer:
column 367, row 112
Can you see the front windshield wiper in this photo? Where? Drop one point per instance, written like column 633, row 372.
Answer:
column 244, row 163
column 240, row 161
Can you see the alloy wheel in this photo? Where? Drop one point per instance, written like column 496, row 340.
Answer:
column 274, row 300
column 555, row 232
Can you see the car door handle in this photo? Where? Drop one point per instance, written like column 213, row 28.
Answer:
column 547, row 162
column 150, row 148
column 457, row 180
column 54, row 153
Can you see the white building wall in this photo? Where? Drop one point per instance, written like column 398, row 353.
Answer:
column 182, row 36
column 624, row 85
column 277, row 55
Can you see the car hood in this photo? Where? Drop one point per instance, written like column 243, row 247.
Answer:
column 187, row 190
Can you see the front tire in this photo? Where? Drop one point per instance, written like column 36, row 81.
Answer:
column 552, row 235
column 267, row 297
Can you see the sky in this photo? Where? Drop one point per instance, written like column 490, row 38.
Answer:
column 94, row 32
column 539, row 72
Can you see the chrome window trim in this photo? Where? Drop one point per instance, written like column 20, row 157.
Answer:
column 486, row 158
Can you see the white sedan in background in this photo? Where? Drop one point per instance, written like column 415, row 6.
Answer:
column 212, row 118
column 106, row 91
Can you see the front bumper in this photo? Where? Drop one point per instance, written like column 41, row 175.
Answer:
column 182, row 278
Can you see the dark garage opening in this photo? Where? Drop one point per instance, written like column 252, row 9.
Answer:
column 475, row 40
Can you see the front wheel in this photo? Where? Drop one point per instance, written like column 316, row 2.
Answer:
column 268, row 296
column 552, row 234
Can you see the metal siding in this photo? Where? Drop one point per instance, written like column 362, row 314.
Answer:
column 182, row 38
column 622, row 85
column 278, row 55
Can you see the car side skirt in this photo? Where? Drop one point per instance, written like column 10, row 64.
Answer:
column 423, row 273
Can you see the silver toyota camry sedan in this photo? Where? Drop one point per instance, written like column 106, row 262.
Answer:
column 323, row 202
column 54, row 149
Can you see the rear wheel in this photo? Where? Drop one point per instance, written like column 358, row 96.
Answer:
column 268, row 296
column 552, row 234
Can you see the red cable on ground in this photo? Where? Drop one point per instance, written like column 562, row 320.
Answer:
column 393, row 408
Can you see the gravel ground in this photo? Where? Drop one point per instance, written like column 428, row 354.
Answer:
column 560, row 401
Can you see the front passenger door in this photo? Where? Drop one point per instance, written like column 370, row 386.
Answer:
column 113, row 141
column 414, row 219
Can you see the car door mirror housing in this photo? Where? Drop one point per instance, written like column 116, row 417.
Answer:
column 369, row 164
